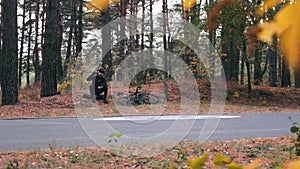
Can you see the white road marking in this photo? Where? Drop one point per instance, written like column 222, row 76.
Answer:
column 167, row 117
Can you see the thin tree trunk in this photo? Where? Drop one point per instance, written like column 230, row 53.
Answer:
column 80, row 29
column 22, row 45
column 59, row 66
column 29, row 48
column 106, row 42
column 43, row 26
column 165, row 22
column 257, row 67
column 151, row 40
column 297, row 76
column 285, row 74
column 143, row 25
column 131, row 27
column 69, row 43
column 273, row 64
column 242, row 73
column 122, row 30
column 245, row 58
column 36, row 58
column 137, row 35
column 1, row 29
column 151, row 29
column 75, row 31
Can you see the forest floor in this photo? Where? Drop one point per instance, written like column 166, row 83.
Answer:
column 271, row 151
column 263, row 99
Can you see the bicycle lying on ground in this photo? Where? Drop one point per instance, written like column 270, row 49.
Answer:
column 137, row 98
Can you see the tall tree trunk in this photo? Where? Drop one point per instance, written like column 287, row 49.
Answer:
column 285, row 74
column 36, row 58
column 137, row 35
column 143, row 26
column 151, row 39
column 43, row 25
column 22, row 45
column 59, row 66
column 245, row 58
column 80, row 29
column 150, row 58
column 131, row 27
column 9, row 57
column 51, row 47
column 29, row 47
column 1, row 29
column 258, row 71
column 273, row 64
column 224, row 42
column 122, row 30
column 69, row 43
column 165, row 44
column 257, row 64
column 106, row 42
column 297, row 75
column 233, row 62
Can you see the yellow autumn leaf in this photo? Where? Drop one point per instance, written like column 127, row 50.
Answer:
column 234, row 165
column 199, row 162
column 99, row 5
column 254, row 165
column 171, row 165
column 292, row 165
column 268, row 29
column 188, row 4
column 290, row 38
column 236, row 94
column 20, row 97
column 267, row 5
column 282, row 20
column 286, row 24
column 221, row 160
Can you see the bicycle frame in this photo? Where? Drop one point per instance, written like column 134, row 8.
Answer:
column 137, row 97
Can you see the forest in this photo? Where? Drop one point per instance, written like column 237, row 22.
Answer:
column 43, row 41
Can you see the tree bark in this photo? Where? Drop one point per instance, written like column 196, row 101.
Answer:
column 69, row 43
column 143, row 26
column 22, row 45
column 285, row 74
column 9, row 57
column 257, row 76
column 273, row 64
column 36, row 58
column 297, row 76
column 29, row 46
column 131, row 27
column 122, row 30
column 59, row 66
column 106, row 42
column 1, row 29
column 80, row 29
column 51, row 47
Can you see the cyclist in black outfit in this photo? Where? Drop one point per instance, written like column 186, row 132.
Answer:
column 99, row 85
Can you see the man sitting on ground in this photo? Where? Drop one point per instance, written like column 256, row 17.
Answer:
column 98, row 86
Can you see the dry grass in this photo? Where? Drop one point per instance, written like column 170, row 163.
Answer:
column 272, row 152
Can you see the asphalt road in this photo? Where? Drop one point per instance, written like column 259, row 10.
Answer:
column 90, row 131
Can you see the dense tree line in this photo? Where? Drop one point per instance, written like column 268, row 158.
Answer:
column 40, row 38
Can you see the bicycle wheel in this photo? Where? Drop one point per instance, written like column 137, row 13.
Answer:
column 125, row 101
column 149, row 98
